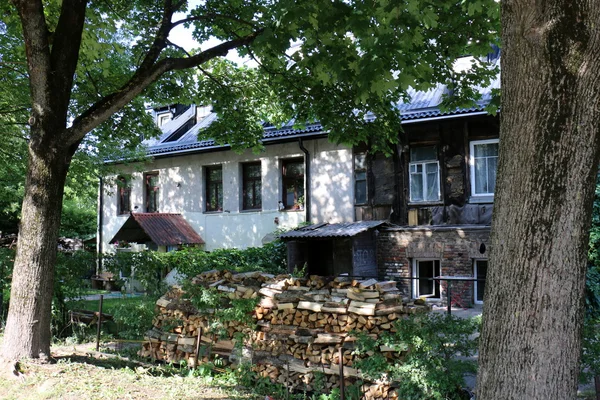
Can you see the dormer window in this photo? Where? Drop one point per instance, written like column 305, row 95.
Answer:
column 163, row 118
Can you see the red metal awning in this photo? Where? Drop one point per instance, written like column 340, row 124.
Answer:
column 164, row 229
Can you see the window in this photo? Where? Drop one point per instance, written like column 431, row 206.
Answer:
column 426, row 287
column 480, row 272
column 214, row 188
column 424, row 174
column 163, row 118
column 484, row 163
column 124, row 199
column 252, row 186
column 151, row 180
column 292, row 172
column 360, row 178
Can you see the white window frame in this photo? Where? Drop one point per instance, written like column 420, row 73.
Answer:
column 472, row 165
column 160, row 117
column 424, row 179
column 415, row 291
column 475, row 267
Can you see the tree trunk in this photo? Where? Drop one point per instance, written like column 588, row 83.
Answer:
column 549, row 152
column 29, row 316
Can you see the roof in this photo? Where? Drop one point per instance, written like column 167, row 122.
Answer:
column 348, row 229
column 421, row 106
column 161, row 228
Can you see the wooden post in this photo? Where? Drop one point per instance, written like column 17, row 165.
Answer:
column 341, row 361
column 99, row 323
column 597, row 384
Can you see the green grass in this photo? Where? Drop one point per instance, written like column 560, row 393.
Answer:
column 95, row 291
column 79, row 373
column 108, row 305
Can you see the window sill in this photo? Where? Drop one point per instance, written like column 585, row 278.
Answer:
column 213, row 212
column 426, row 203
column 253, row 210
column 481, row 199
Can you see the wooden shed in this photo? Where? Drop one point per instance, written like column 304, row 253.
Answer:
column 334, row 249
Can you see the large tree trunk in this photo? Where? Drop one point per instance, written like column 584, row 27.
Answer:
column 28, row 323
column 549, row 148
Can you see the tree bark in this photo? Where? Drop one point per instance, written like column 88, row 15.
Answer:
column 549, row 152
column 28, row 325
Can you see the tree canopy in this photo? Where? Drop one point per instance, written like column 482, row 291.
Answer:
column 92, row 67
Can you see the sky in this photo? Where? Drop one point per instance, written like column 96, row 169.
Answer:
column 182, row 36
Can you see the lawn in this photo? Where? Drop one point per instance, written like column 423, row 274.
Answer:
column 108, row 305
column 77, row 372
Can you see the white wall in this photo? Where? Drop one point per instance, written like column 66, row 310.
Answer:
column 331, row 187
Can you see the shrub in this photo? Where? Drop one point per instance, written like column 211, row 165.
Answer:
column 134, row 318
column 430, row 367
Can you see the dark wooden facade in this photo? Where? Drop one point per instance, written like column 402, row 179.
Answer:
column 388, row 177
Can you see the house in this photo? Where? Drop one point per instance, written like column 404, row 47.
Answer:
column 424, row 212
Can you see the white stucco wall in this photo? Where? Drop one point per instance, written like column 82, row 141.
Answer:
column 331, row 188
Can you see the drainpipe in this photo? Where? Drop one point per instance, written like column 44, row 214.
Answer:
column 308, row 181
column 100, row 223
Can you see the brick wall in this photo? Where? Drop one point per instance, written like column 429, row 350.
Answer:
column 456, row 248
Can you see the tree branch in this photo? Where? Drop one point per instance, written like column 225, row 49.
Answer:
column 65, row 52
column 143, row 77
column 211, row 17
column 35, row 33
column 160, row 41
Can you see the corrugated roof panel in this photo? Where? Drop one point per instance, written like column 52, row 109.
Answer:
column 164, row 229
column 348, row 229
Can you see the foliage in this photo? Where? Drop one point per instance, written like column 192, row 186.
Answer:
column 221, row 308
column 592, row 298
column 133, row 319
column 189, row 262
column 147, row 267
column 6, row 265
column 429, row 367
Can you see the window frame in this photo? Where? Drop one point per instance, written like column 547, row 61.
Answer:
column 476, row 284
column 123, row 192
column 151, row 189
column 436, row 284
column 472, row 145
column 297, row 181
column 356, row 180
column 218, row 186
column 246, row 180
column 423, row 176
column 160, row 116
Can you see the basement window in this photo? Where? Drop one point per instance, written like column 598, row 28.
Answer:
column 426, row 286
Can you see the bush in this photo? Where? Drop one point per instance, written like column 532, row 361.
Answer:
column 271, row 258
column 430, row 367
column 151, row 267
column 134, row 318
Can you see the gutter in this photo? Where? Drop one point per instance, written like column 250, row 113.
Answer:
column 308, row 180
column 471, row 114
column 99, row 240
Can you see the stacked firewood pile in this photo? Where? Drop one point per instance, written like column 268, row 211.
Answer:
column 301, row 331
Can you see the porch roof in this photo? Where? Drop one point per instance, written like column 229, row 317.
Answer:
column 164, row 229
